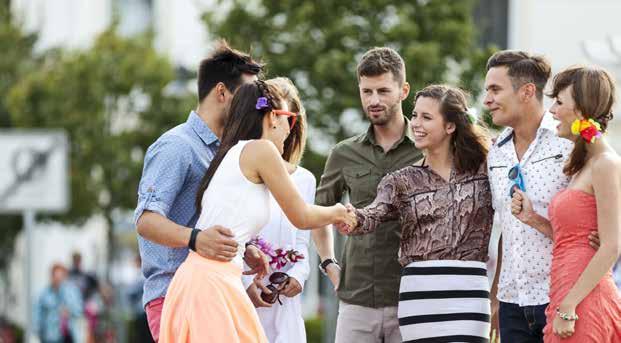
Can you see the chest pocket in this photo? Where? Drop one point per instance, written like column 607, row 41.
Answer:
column 545, row 176
column 362, row 184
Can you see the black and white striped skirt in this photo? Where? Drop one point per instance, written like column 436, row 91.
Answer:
column 444, row 301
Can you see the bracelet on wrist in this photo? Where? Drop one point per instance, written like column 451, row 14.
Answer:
column 566, row 316
column 192, row 242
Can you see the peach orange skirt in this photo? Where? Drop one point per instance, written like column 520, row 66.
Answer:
column 206, row 302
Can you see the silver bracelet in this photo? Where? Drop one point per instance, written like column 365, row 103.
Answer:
column 566, row 316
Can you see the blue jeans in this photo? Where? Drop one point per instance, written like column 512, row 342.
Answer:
column 521, row 324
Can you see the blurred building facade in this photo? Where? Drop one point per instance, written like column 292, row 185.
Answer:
column 179, row 34
column 566, row 31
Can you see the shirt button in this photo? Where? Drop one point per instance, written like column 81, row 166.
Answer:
column 150, row 189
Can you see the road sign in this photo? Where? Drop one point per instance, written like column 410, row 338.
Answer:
column 33, row 171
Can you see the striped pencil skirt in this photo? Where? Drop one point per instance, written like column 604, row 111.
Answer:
column 444, row 301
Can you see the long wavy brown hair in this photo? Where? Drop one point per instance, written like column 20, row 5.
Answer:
column 470, row 141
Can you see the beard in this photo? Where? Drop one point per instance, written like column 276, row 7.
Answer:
column 383, row 118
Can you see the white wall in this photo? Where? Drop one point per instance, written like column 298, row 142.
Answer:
column 67, row 23
column 560, row 29
column 180, row 33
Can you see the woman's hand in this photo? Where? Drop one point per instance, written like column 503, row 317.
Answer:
column 345, row 215
column 292, row 288
column 564, row 328
column 254, row 293
column 347, row 219
column 258, row 262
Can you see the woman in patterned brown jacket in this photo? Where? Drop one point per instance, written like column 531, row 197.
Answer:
column 445, row 209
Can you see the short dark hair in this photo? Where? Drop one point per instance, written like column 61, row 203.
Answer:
column 378, row 61
column 225, row 65
column 523, row 68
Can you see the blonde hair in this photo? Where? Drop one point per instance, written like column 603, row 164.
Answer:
column 296, row 142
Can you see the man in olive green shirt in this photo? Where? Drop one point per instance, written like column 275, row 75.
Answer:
column 369, row 281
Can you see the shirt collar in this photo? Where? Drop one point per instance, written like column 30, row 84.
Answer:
column 548, row 123
column 369, row 136
column 202, row 130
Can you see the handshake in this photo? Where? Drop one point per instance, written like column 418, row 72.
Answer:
column 346, row 219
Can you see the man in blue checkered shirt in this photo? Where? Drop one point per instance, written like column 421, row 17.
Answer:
column 173, row 169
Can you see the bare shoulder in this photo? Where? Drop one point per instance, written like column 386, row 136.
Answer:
column 260, row 148
column 606, row 163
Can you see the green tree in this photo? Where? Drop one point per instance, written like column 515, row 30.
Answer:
column 110, row 100
column 16, row 58
column 318, row 43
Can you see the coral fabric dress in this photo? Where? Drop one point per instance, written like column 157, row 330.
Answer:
column 573, row 214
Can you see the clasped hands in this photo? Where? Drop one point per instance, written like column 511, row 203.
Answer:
column 347, row 221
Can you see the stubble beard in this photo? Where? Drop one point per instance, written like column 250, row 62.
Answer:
column 389, row 114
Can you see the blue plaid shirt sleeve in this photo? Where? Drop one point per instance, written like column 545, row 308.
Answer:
column 166, row 166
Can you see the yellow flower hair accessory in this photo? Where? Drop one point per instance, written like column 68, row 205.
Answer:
column 589, row 129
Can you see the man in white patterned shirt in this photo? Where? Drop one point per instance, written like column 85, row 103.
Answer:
column 530, row 156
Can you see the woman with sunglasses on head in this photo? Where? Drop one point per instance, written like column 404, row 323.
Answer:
column 444, row 206
column 585, row 305
column 279, row 306
column 206, row 300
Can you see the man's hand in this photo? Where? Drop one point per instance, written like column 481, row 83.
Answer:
column 333, row 272
column 216, row 243
column 258, row 262
column 254, row 293
column 522, row 207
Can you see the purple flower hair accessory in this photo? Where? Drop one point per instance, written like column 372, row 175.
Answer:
column 262, row 103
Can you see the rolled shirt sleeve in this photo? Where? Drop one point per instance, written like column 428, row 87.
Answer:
column 166, row 165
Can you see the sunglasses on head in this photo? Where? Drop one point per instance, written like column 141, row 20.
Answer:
column 515, row 175
column 278, row 280
column 291, row 117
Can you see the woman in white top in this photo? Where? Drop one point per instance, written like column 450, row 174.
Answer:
column 206, row 300
column 282, row 321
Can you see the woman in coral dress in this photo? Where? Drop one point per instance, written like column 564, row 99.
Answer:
column 585, row 305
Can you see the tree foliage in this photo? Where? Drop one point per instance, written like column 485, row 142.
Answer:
column 110, row 100
column 318, row 43
column 15, row 59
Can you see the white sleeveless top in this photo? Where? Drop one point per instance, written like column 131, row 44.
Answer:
column 232, row 201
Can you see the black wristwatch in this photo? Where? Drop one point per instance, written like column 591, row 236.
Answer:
column 192, row 242
column 325, row 263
